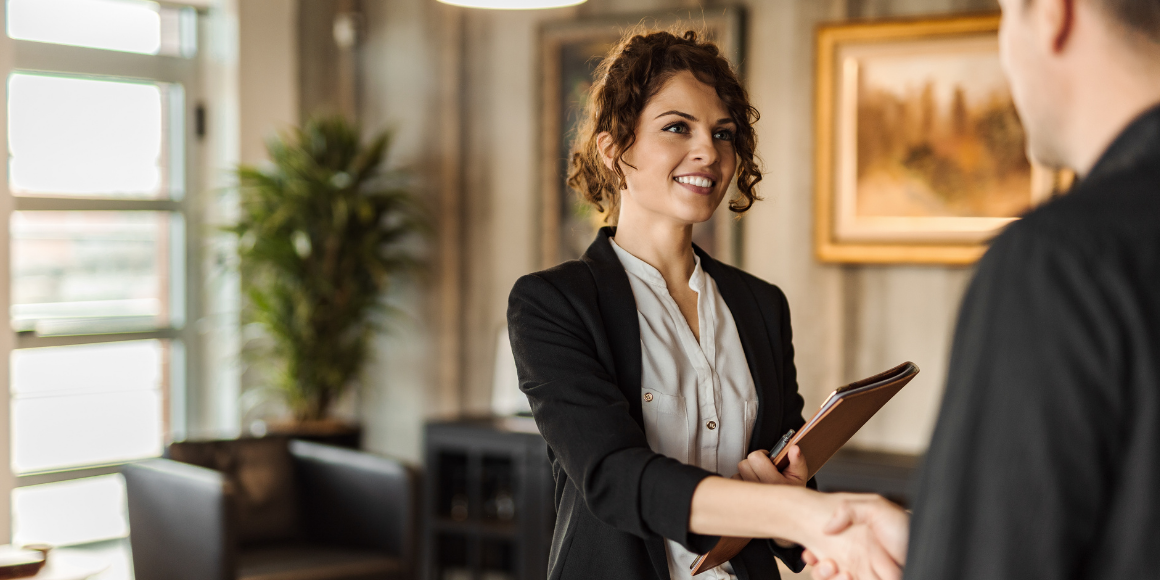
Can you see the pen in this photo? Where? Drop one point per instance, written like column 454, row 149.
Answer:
column 781, row 444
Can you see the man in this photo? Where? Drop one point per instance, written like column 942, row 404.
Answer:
column 1046, row 459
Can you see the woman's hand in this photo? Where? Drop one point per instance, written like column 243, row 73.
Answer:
column 753, row 510
column 759, row 468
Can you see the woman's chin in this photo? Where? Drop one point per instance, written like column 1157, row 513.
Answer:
column 693, row 219
column 698, row 215
column 683, row 211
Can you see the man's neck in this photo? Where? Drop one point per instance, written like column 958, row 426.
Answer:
column 1103, row 125
column 1109, row 100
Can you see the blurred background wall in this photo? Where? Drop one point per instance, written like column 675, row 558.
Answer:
column 461, row 89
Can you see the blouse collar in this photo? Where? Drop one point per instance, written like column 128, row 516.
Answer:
column 650, row 275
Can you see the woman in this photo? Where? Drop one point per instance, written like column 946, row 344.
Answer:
column 654, row 370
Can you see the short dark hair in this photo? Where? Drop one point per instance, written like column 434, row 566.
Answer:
column 1139, row 16
column 632, row 73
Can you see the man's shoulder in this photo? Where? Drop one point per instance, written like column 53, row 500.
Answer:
column 1099, row 217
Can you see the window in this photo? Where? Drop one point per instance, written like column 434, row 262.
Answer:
column 123, row 25
column 112, row 413
column 99, row 151
column 108, row 133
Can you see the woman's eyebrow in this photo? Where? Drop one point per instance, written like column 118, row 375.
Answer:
column 689, row 117
column 679, row 114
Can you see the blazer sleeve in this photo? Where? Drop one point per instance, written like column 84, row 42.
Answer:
column 793, row 404
column 792, row 414
column 585, row 419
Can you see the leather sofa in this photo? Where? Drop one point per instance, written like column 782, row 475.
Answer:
column 271, row 509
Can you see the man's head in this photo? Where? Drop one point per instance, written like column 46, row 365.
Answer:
column 1073, row 66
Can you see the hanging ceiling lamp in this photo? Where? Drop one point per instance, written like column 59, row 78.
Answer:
column 513, row 4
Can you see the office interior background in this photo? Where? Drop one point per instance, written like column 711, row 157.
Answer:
column 125, row 122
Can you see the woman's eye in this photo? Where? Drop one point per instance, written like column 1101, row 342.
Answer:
column 724, row 135
column 676, row 128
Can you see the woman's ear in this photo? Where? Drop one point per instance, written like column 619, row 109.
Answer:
column 607, row 149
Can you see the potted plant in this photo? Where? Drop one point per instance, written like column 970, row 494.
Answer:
column 323, row 231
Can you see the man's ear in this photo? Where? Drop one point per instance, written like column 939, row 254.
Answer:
column 607, row 149
column 1056, row 23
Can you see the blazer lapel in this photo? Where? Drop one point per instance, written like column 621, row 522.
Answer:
column 751, row 326
column 621, row 326
column 618, row 310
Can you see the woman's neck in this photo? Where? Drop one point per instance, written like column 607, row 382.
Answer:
column 661, row 243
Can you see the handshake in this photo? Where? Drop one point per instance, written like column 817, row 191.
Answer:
column 864, row 539
column 846, row 536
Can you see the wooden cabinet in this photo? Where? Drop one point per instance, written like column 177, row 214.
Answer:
column 488, row 512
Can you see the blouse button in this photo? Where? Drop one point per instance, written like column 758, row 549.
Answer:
column 711, row 425
column 648, row 397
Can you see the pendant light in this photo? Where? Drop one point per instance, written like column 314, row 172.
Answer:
column 513, row 4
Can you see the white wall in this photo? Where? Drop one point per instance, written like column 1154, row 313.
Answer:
column 406, row 87
column 250, row 88
column 267, row 72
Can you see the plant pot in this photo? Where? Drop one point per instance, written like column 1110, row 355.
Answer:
column 327, row 431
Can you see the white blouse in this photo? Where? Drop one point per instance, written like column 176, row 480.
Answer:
column 699, row 399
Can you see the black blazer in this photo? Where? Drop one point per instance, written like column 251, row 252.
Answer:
column 576, row 340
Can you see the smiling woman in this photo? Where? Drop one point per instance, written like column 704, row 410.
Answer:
column 655, row 372
column 628, row 80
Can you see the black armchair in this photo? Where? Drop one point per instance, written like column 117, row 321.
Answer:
column 271, row 509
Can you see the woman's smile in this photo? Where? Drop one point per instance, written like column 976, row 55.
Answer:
column 679, row 167
column 699, row 183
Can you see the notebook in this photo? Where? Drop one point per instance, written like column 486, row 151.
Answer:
column 841, row 415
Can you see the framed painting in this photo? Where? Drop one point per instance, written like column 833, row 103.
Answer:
column 570, row 52
column 920, row 153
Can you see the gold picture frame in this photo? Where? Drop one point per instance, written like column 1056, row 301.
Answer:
column 570, row 51
column 919, row 152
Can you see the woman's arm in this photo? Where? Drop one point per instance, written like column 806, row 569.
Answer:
column 728, row 507
column 586, row 418
column 755, row 510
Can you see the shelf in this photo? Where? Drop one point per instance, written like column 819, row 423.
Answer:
column 479, row 470
column 478, row 528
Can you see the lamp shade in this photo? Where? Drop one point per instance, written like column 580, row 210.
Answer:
column 513, row 4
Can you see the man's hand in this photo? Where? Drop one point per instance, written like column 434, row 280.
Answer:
column 887, row 523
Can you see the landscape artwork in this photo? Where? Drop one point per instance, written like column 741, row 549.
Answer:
column 938, row 136
column 921, row 154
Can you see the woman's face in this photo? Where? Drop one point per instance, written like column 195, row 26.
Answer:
column 683, row 155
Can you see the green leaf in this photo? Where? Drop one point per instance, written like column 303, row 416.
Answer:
column 326, row 230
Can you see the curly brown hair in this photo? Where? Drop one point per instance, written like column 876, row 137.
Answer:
column 632, row 73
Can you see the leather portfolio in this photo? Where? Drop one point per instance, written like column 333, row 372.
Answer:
column 843, row 413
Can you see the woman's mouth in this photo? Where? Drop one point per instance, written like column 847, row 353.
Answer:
column 696, row 183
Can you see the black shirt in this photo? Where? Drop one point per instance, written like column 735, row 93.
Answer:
column 1045, row 462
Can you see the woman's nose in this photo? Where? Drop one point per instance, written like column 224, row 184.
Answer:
column 704, row 149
